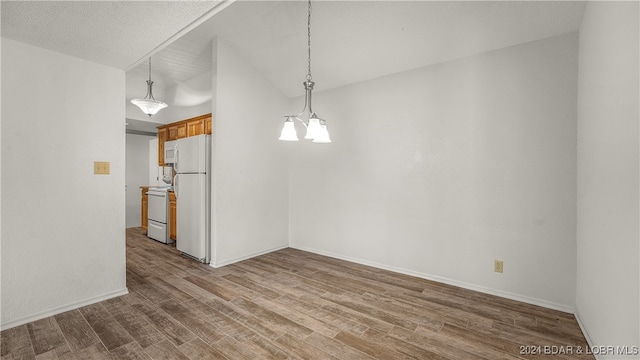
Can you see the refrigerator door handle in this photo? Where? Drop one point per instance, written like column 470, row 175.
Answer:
column 175, row 158
column 175, row 185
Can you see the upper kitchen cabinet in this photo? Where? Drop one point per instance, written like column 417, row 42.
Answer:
column 180, row 129
column 177, row 131
column 207, row 125
column 195, row 127
column 163, row 135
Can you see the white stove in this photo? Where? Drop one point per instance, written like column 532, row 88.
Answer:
column 158, row 214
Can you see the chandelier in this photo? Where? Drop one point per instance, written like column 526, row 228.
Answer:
column 316, row 127
column 149, row 105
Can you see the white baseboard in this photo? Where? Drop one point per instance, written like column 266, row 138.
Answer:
column 58, row 310
column 585, row 332
column 504, row 294
column 245, row 257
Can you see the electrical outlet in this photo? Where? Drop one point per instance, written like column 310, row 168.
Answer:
column 101, row 167
column 498, row 266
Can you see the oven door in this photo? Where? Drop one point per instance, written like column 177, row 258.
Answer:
column 157, row 206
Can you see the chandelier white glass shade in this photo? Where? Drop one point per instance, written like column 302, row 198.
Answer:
column 288, row 131
column 149, row 105
column 316, row 127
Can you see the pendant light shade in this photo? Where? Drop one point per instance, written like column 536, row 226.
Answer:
column 288, row 131
column 149, row 105
column 313, row 129
column 316, row 127
column 322, row 137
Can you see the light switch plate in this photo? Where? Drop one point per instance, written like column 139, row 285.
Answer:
column 101, row 167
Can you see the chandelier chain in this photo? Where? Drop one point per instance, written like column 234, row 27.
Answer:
column 309, row 43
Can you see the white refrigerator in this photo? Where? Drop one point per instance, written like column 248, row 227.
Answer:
column 191, row 185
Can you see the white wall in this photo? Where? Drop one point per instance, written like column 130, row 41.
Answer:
column 136, row 175
column 249, row 197
column 608, row 218
column 436, row 172
column 63, row 240
column 1, row 186
column 154, row 170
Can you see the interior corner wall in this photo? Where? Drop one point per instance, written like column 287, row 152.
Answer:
column 439, row 171
column 63, row 240
column 608, row 273
column 136, row 175
column 250, row 166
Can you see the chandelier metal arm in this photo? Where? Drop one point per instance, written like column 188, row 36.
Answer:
column 308, row 85
column 306, row 125
column 149, row 90
column 306, row 101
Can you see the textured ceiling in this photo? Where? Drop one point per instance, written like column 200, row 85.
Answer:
column 352, row 41
column 114, row 33
column 182, row 60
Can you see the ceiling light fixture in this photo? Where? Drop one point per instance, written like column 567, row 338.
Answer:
column 149, row 105
column 316, row 127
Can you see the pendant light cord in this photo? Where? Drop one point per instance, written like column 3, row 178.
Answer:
column 309, row 43
column 150, row 84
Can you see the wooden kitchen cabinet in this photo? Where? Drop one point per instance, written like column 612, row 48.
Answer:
column 177, row 131
column 195, row 127
column 162, row 137
column 207, row 125
column 145, row 201
column 173, row 212
column 172, row 133
column 180, row 129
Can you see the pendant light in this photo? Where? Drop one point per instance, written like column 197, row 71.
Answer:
column 149, row 105
column 316, row 127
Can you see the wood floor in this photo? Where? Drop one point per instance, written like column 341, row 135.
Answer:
column 290, row 304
